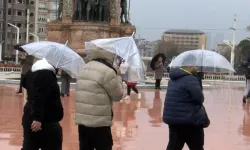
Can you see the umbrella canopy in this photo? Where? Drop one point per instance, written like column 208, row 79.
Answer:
column 58, row 55
column 155, row 59
column 207, row 61
column 124, row 47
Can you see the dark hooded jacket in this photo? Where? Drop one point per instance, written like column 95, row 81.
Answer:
column 184, row 98
column 43, row 102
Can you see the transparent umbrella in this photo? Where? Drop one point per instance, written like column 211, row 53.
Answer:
column 58, row 55
column 207, row 61
column 124, row 47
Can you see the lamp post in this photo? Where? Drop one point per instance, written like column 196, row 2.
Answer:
column 233, row 42
column 28, row 25
column 1, row 46
column 17, row 40
column 37, row 37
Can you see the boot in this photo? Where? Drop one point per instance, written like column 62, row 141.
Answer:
column 244, row 99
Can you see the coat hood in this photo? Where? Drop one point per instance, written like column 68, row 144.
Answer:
column 177, row 73
column 99, row 53
column 42, row 65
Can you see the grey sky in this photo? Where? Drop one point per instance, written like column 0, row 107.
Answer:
column 190, row 14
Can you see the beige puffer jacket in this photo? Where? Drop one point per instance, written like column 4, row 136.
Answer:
column 96, row 89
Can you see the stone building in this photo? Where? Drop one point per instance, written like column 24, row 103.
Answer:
column 186, row 39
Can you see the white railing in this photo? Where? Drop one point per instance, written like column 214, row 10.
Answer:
column 18, row 70
column 207, row 77
column 9, row 70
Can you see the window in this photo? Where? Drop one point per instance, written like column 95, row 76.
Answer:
column 42, row 18
column 42, row 6
column 10, row 1
column 19, row 13
column 32, row 3
column 30, row 37
column 31, row 14
column 41, row 30
column 19, row 25
column 20, row 1
column 9, row 12
column 14, row 36
column 31, row 26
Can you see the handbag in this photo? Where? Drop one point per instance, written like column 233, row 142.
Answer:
column 207, row 120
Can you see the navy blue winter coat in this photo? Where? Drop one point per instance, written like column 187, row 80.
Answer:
column 184, row 98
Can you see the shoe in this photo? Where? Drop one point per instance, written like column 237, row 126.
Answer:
column 68, row 95
column 244, row 100
column 127, row 97
column 127, row 101
column 139, row 95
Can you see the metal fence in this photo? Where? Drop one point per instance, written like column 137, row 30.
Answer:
column 10, row 69
column 17, row 70
column 208, row 77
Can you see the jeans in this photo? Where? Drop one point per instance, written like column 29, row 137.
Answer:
column 192, row 136
column 98, row 138
column 49, row 138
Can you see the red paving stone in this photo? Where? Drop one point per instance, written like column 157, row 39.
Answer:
column 141, row 128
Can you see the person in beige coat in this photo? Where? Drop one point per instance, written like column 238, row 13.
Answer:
column 98, row 86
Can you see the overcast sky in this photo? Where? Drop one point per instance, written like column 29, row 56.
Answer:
column 216, row 16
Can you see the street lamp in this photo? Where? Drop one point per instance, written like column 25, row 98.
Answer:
column 37, row 37
column 1, row 46
column 17, row 40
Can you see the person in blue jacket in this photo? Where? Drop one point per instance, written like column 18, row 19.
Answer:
column 183, row 108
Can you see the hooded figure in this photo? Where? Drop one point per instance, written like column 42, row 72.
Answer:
column 98, row 86
column 43, row 110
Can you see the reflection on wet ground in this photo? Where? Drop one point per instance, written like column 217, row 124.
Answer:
column 138, row 125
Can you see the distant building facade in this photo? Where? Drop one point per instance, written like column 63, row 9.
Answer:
column 223, row 48
column 40, row 12
column 146, row 48
column 186, row 39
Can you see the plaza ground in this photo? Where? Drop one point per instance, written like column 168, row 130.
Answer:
column 141, row 128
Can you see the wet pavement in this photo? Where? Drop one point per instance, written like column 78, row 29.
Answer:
column 141, row 128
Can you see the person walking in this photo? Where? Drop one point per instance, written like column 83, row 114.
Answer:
column 26, row 63
column 158, row 72
column 43, row 110
column 183, row 108
column 131, row 83
column 246, row 65
column 65, row 86
column 97, row 88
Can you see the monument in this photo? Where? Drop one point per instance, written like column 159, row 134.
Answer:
column 86, row 20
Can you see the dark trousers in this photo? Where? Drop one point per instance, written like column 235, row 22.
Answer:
column 49, row 138
column 192, row 136
column 99, row 138
column 158, row 83
column 129, row 89
column 200, row 81
column 20, row 90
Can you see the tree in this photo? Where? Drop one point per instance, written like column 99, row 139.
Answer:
column 244, row 47
column 170, row 50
